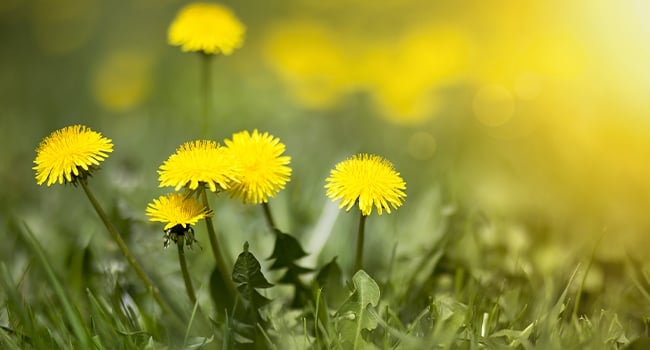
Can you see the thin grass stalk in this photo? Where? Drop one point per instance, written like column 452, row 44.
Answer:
column 72, row 315
column 125, row 249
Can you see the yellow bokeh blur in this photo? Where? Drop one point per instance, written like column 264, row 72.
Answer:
column 557, row 93
column 122, row 79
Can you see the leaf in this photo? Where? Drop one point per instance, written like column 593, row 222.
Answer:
column 247, row 275
column 330, row 280
column 354, row 314
column 246, row 321
column 286, row 251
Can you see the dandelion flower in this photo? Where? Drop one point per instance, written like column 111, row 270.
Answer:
column 199, row 162
column 210, row 28
column 69, row 154
column 264, row 169
column 178, row 213
column 369, row 180
column 175, row 209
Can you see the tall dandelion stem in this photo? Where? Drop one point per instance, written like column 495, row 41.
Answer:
column 184, row 271
column 268, row 216
column 214, row 243
column 358, row 261
column 124, row 248
column 206, row 87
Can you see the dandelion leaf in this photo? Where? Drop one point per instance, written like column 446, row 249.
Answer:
column 286, row 252
column 248, row 277
column 330, row 280
column 353, row 315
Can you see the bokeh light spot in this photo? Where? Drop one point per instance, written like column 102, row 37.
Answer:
column 422, row 145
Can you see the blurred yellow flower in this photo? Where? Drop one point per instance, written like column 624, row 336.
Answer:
column 200, row 162
column 69, row 154
column 175, row 209
column 210, row 28
column 311, row 59
column 122, row 79
column 264, row 169
column 366, row 179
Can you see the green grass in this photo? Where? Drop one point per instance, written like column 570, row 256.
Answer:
column 460, row 292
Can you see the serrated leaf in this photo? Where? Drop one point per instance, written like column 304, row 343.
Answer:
column 286, row 251
column 247, row 273
column 353, row 314
column 248, row 277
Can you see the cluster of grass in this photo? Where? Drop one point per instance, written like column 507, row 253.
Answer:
column 460, row 292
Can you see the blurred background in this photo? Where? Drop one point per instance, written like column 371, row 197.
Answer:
column 532, row 115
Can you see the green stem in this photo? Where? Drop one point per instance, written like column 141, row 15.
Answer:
column 214, row 243
column 124, row 249
column 268, row 216
column 206, row 87
column 358, row 262
column 180, row 242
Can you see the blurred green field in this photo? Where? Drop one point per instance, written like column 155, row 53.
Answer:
column 520, row 128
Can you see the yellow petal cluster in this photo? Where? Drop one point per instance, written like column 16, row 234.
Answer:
column 200, row 162
column 205, row 27
column 175, row 209
column 264, row 169
column 366, row 179
column 67, row 153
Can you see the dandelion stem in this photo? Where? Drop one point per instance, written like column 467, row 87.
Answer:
column 206, row 87
column 184, row 271
column 268, row 216
column 124, row 249
column 214, row 243
column 358, row 262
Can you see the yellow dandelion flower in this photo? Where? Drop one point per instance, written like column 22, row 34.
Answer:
column 210, row 28
column 199, row 162
column 69, row 154
column 264, row 169
column 179, row 213
column 366, row 179
column 175, row 209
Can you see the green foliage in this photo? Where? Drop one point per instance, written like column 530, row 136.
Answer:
column 248, row 277
column 286, row 252
column 353, row 316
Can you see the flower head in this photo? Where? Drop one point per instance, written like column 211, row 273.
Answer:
column 177, row 209
column 210, row 28
column 199, row 162
column 264, row 169
column 69, row 154
column 366, row 179
column 178, row 213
